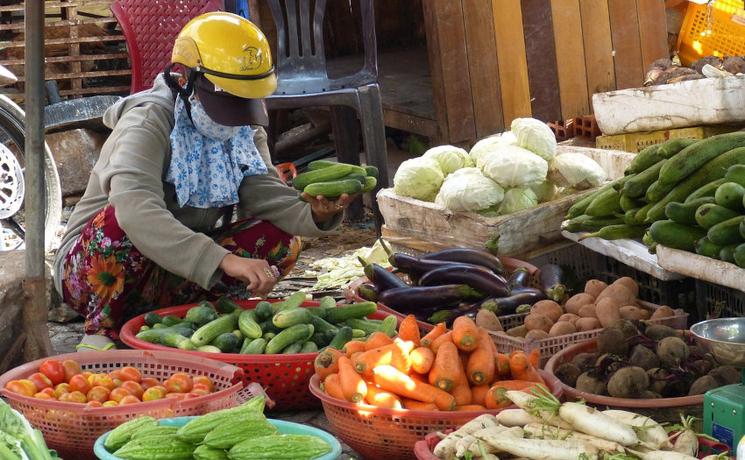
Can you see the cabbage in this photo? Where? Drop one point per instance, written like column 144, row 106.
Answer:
column 419, row 178
column 517, row 199
column 577, row 171
column 449, row 158
column 469, row 190
column 490, row 145
column 545, row 191
column 535, row 136
column 513, row 166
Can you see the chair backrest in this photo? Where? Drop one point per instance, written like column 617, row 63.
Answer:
column 301, row 60
column 150, row 28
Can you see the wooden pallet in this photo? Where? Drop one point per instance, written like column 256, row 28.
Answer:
column 85, row 51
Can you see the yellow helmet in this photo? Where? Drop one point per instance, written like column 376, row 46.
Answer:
column 231, row 52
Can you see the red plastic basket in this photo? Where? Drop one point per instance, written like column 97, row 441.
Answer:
column 72, row 428
column 285, row 377
column 377, row 433
column 424, row 449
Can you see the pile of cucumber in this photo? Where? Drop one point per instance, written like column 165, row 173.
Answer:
column 661, row 192
column 331, row 180
column 271, row 328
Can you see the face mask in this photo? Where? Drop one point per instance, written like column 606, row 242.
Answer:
column 206, row 126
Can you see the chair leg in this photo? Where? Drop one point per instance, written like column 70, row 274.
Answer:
column 373, row 138
column 346, row 131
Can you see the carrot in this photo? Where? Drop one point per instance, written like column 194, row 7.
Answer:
column 332, row 387
column 409, row 330
column 377, row 339
column 327, row 362
column 447, row 369
column 353, row 346
column 395, row 354
column 535, row 357
column 465, row 333
column 462, row 392
column 468, row 407
column 446, row 337
column 418, row 377
column 503, row 366
column 481, row 362
column 380, row 398
column 496, row 396
column 422, row 359
column 418, row 405
column 430, row 337
column 391, row 379
column 352, row 385
column 478, row 394
column 521, row 369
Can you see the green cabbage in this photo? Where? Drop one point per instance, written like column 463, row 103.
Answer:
column 535, row 136
column 418, row 178
column 513, row 166
column 577, row 171
column 489, row 146
column 518, row 199
column 469, row 190
column 449, row 158
column 545, row 191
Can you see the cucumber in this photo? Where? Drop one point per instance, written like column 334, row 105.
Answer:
column 151, row 319
column 739, row 255
column 370, row 183
column 643, row 160
column 287, row 318
column 736, row 174
column 708, row 215
column 320, row 164
column 730, row 195
column 227, row 343
column 388, row 326
column 327, row 302
column 327, row 174
column 341, row 338
column 334, row 189
column 321, row 325
column 585, row 223
column 657, row 191
column 358, row 310
column 355, row 176
column 704, row 247
column 309, row 347
column 711, row 171
column 268, row 336
column 372, row 171
column 292, row 348
column 647, row 239
column 248, row 326
column 727, row 254
column 294, row 301
column 617, row 232
column 742, row 229
column 627, row 203
column 637, row 185
column 296, row 333
column 579, row 207
column 673, row 146
column 253, row 346
column 322, row 339
column 144, row 327
column 675, row 235
column 685, row 213
column 171, row 320
column 358, row 333
column 605, row 204
column 707, row 190
column 157, row 334
column 207, row 333
column 695, row 156
column 727, row 232
column 225, row 305
column 630, row 217
column 209, row 349
column 263, row 310
column 362, row 324
column 176, row 340
column 641, row 215
column 201, row 314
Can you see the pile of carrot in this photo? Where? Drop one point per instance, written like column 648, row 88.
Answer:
column 458, row 369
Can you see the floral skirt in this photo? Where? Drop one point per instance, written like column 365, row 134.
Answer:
column 107, row 280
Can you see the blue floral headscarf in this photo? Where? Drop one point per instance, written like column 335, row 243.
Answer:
column 209, row 160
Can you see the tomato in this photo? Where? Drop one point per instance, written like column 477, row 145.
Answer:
column 130, row 373
column 117, row 394
column 117, row 374
column 61, row 389
column 117, row 383
column 41, row 381
column 129, row 400
column 74, row 397
column 176, row 396
column 22, row 387
column 94, row 404
column 46, row 396
column 79, row 383
column 72, row 368
column 149, row 382
column 200, row 391
column 202, row 387
column 103, row 380
column 49, row 391
column 134, row 388
column 110, row 404
column 179, row 383
column 204, row 380
column 54, row 370
column 100, row 394
column 154, row 393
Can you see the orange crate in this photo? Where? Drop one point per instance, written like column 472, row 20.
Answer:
column 714, row 30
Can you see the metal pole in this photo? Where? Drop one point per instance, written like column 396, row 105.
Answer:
column 35, row 312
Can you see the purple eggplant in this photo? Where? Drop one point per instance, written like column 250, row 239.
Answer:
column 519, row 278
column 417, row 267
column 368, row 291
column 508, row 305
column 414, row 298
column 551, row 279
column 468, row 256
column 380, row 277
column 481, row 279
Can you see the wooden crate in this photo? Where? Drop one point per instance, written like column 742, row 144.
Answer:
column 409, row 222
column 85, row 50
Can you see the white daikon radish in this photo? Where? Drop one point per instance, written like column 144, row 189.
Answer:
column 591, row 421
column 482, row 435
column 648, row 430
column 446, row 449
column 541, row 449
column 541, row 431
column 663, row 455
column 686, row 441
column 463, row 444
column 543, row 407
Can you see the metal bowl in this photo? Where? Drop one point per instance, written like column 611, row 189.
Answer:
column 724, row 338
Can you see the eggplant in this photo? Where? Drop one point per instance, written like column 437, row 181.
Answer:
column 368, row 291
column 479, row 278
column 414, row 298
column 468, row 256
column 551, row 280
column 448, row 316
column 417, row 267
column 519, row 278
column 380, row 277
column 508, row 305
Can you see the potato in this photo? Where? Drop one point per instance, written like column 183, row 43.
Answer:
column 587, row 311
column 595, row 287
column 562, row 328
column 518, row 331
column 629, row 283
column 536, row 334
column 633, row 313
column 578, row 301
column 663, row 312
column 621, row 293
column 607, row 310
column 590, row 384
column 571, row 317
column 488, row 320
column 538, row 321
column 587, row 324
column 702, row 385
column 548, row 308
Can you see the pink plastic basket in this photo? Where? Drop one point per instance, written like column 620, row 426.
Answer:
column 72, row 428
column 424, row 449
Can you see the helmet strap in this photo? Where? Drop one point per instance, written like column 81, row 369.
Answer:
column 183, row 92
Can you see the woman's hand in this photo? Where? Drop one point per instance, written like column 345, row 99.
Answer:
column 256, row 273
column 324, row 209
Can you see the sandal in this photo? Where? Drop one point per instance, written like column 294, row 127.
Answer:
column 95, row 343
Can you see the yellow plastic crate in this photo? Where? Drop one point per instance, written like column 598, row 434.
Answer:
column 636, row 142
column 714, row 30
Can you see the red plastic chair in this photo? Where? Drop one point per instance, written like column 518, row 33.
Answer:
column 150, row 28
